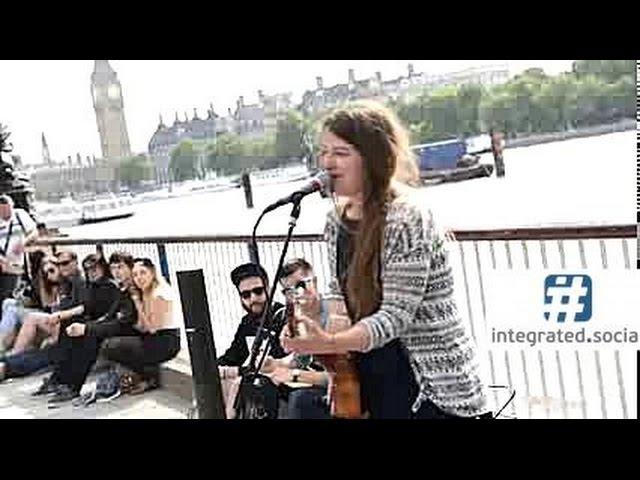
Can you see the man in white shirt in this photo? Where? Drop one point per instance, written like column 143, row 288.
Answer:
column 17, row 229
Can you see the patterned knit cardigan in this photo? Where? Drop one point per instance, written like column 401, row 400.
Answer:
column 418, row 308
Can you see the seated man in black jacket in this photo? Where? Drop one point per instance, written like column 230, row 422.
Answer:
column 253, row 287
column 119, row 322
column 74, row 357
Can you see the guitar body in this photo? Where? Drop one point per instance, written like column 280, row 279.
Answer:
column 344, row 387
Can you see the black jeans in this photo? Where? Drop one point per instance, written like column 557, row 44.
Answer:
column 308, row 403
column 77, row 356
column 28, row 362
column 143, row 354
column 388, row 386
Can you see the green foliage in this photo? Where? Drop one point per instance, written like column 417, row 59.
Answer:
column 595, row 92
column 289, row 135
column 134, row 170
column 610, row 71
column 5, row 146
column 184, row 162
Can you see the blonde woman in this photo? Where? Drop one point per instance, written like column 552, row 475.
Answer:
column 159, row 327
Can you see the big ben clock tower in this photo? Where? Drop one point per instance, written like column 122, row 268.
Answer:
column 109, row 108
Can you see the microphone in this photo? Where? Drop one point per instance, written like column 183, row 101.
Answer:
column 321, row 182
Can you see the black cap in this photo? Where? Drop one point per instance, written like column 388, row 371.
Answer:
column 248, row 270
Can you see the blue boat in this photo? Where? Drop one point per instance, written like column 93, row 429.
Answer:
column 450, row 161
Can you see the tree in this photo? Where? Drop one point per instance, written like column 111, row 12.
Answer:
column 420, row 132
column 184, row 161
column 134, row 170
column 498, row 110
column 5, row 146
column 468, row 106
column 590, row 103
column 522, row 89
column 440, row 110
column 289, row 135
column 260, row 147
column 6, row 169
column 610, row 71
column 221, row 154
column 623, row 96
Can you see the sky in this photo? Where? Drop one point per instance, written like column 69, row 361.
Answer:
column 54, row 96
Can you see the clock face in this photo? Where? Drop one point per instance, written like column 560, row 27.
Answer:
column 113, row 92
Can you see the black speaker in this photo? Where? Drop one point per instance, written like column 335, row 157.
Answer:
column 204, row 366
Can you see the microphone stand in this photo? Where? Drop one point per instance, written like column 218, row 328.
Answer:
column 266, row 333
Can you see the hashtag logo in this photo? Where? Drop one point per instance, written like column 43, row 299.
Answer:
column 567, row 298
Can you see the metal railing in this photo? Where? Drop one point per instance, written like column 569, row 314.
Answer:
column 548, row 384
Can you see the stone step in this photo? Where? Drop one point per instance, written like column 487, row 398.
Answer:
column 176, row 378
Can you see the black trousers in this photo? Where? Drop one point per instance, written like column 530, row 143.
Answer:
column 388, row 385
column 143, row 354
column 76, row 356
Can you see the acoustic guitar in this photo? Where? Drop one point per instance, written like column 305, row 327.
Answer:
column 344, row 386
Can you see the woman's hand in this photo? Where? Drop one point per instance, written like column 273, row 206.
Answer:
column 269, row 365
column 316, row 340
column 134, row 293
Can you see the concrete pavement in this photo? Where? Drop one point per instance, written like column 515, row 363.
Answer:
column 16, row 402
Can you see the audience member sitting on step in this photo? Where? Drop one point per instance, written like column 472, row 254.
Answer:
column 159, row 325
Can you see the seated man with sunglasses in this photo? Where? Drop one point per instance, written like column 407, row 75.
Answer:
column 253, row 284
column 71, row 296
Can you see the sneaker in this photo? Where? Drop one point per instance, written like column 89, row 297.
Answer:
column 107, row 397
column 48, row 386
column 64, row 393
column 85, row 400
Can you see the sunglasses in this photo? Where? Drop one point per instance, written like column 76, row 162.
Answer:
column 257, row 291
column 302, row 284
column 64, row 263
column 146, row 262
